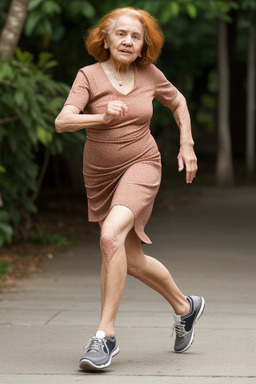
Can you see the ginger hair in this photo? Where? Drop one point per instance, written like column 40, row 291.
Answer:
column 153, row 36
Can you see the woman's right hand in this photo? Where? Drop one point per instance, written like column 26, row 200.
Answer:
column 114, row 109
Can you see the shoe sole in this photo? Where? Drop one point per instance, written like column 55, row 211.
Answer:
column 87, row 365
column 200, row 312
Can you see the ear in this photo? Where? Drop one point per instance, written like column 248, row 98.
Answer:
column 105, row 44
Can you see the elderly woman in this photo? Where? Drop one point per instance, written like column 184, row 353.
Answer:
column 112, row 100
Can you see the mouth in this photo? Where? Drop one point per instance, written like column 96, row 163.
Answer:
column 125, row 51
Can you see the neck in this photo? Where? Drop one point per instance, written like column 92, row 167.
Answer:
column 119, row 68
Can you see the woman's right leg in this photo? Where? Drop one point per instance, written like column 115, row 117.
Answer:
column 114, row 230
column 102, row 347
column 151, row 272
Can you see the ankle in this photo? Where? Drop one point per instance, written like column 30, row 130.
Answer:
column 183, row 308
column 108, row 332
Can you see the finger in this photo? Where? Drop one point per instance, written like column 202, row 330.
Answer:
column 116, row 109
column 180, row 163
column 120, row 108
column 189, row 177
column 119, row 104
column 191, row 173
column 124, row 109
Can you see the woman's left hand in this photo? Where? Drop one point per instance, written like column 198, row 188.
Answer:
column 187, row 158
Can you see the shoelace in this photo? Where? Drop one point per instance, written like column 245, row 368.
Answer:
column 179, row 328
column 95, row 344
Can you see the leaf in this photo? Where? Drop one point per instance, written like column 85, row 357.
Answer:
column 50, row 7
column 175, row 9
column 169, row 10
column 31, row 22
column 19, row 97
column 81, row 7
column 44, row 58
column 55, row 104
column 6, row 72
column 2, row 169
column 30, row 207
column 7, row 230
column 34, row 4
column 47, row 27
column 51, row 64
column 191, row 10
column 24, row 56
column 235, row 5
column 87, row 9
column 44, row 136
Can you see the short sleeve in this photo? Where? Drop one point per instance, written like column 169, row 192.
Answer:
column 79, row 93
column 165, row 91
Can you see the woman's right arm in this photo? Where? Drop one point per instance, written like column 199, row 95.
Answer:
column 70, row 119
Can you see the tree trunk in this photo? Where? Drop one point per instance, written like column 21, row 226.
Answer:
column 224, row 171
column 13, row 27
column 250, row 128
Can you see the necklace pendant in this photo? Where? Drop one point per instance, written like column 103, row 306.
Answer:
column 120, row 83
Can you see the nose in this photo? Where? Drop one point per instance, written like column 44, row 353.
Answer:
column 127, row 40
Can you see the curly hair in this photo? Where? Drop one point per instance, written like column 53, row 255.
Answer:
column 153, row 36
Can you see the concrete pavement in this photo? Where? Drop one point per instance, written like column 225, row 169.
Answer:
column 208, row 242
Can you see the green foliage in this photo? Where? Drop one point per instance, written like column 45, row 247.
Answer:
column 248, row 5
column 6, row 230
column 167, row 10
column 29, row 103
column 4, row 267
column 45, row 16
column 44, row 237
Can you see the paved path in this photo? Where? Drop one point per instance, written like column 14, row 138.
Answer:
column 209, row 244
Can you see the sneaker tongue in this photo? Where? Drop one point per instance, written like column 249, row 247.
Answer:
column 100, row 334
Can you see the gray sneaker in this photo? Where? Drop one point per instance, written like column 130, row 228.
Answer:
column 184, row 325
column 99, row 353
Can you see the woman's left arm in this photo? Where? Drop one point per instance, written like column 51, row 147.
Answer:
column 170, row 97
column 186, row 157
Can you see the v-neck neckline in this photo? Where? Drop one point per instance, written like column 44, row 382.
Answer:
column 117, row 91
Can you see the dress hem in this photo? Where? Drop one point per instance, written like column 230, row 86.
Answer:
column 140, row 233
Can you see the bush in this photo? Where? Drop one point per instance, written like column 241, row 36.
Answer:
column 29, row 102
column 4, row 267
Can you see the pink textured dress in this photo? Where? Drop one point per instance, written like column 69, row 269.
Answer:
column 122, row 164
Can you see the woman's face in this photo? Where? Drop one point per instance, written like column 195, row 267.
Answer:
column 126, row 40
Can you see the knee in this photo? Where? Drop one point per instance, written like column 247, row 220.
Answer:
column 109, row 241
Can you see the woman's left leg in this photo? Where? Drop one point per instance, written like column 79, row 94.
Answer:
column 154, row 274
column 151, row 272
